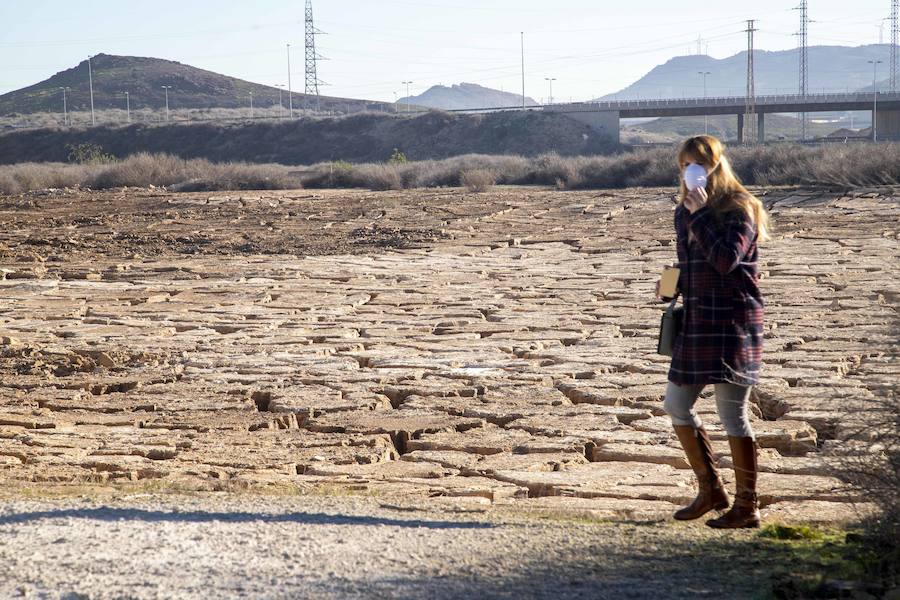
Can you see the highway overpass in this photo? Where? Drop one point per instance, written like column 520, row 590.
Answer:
column 604, row 116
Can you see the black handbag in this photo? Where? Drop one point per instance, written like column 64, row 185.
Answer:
column 670, row 327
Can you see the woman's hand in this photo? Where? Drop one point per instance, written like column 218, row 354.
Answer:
column 695, row 199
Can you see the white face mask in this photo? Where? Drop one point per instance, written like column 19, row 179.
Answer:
column 694, row 176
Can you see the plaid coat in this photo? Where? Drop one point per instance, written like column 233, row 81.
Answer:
column 722, row 337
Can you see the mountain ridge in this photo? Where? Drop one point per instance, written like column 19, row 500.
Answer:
column 775, row 72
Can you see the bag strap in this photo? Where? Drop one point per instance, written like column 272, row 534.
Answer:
column 674, row 300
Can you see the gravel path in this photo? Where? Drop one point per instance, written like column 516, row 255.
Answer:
column 213, row 546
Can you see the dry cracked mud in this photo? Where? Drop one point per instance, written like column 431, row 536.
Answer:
column 428, row 345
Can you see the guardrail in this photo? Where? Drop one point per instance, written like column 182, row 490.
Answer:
column 711, row 101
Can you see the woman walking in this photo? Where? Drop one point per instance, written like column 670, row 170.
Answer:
column 717, row 224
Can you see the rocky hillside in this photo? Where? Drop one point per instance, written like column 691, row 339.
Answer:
column 357, row 138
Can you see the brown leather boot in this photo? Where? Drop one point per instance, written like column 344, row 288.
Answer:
column 745, row 511
column 712, row 494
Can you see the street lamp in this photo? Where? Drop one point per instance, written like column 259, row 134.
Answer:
column 290, row 94
column 551, row 80
column 91, row 84
column 406, row 83
column 65, row 108
column 167, row 88
column 875, row 64
column 705, row 117
column 127, row 106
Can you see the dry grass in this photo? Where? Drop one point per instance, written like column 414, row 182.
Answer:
column 837, row 165
column 477, row 180
column 118, row 117
column 785, row 164
column 144, row 170
column 869, row 460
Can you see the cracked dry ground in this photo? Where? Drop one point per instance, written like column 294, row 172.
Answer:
column 427, row 344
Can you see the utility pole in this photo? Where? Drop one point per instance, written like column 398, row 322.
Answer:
column 895, row 34
column 750, row 113
column 804, row 64
column 522, row 47
column 65, row 108
column 705, row 117
column 167, row 88
column 312, row 80
column 875, row 64
column 91, row 84
column 127, row 107
column 290, row 94
column 251, row 105
column 551, row 80
column 406, row 83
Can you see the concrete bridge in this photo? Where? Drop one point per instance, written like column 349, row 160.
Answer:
column 604, row 116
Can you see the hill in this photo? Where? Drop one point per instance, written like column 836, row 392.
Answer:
column 143, row 79
column 466, row 96
column 366, row 137
column 831, row 69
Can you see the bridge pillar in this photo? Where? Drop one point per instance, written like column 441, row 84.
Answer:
column 740, row 128
column 887, row 123
column 604, row 122
column 761, row 127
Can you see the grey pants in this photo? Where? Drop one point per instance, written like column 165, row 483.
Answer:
column 731, row 402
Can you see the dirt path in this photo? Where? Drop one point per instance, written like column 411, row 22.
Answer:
column 149, row 547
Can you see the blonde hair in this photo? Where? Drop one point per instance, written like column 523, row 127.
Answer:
column 724, row 189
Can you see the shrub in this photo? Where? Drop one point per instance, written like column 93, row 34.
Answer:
column 23, row 177
column 143, row 169
column 869, row 460
column 340, row 174
column 8, row 185
column 381, row 177
column 547, row 169
column 397, row 158
column 477, row 180
column 781, row 164
column 88, row 154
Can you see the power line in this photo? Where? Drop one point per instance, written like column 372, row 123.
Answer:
column 106, row 40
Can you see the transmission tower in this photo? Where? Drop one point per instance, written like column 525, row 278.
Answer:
column 895, row 33
column 804, row 64
column 312, row 81
column 750, row 113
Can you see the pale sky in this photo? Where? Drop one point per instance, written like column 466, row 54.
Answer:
column 591, row 47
